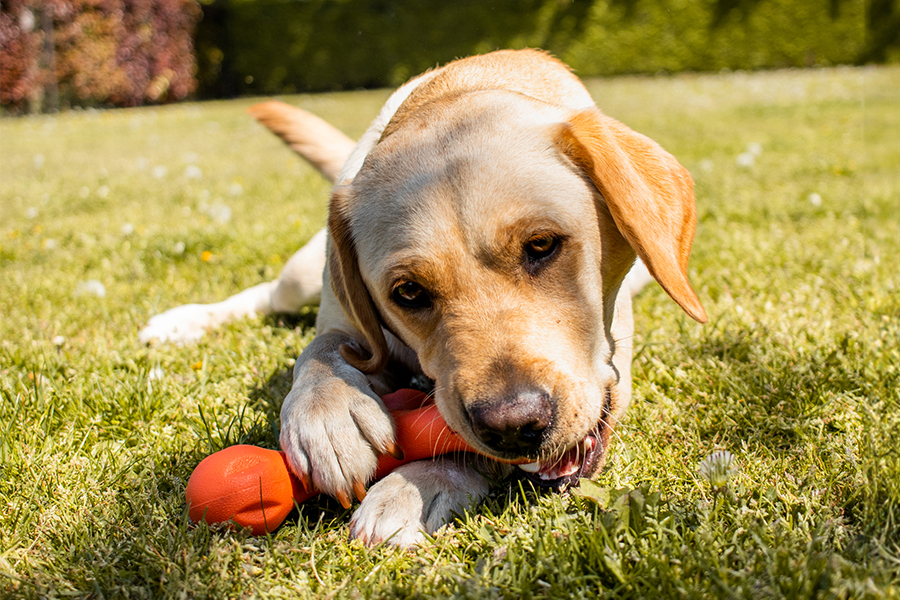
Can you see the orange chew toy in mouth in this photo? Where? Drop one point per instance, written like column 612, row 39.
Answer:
column 255, row 488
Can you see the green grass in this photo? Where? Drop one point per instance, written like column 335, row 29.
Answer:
column 797, row 374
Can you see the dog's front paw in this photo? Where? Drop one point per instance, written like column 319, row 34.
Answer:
column 182, row 324
column 416, row 499
column 333, row 433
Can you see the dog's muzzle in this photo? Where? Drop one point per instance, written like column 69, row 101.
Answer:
column 514, row 427
column 513, row 424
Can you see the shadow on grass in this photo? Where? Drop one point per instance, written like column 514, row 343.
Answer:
column 835, row 399
column 774, row 395
column 268, row 397
column 305, row 319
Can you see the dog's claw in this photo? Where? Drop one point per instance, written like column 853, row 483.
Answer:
column 343, row 498
column 395, row 450
column 360, row 490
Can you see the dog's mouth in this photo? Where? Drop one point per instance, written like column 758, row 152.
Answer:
column 559, row 473
column 556, row 473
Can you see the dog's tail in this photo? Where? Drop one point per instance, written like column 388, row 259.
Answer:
column 324, row 146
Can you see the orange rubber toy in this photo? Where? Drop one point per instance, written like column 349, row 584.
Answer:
column 255, row 488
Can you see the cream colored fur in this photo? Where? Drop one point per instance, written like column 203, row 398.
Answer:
column 464, row 172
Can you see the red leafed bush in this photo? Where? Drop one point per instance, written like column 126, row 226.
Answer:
column 20, row 49
column 103, row 52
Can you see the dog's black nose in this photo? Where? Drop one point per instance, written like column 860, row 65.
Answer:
column 514, row 423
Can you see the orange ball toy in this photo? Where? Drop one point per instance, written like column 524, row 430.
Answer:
column 251, row 486
column 255, row 488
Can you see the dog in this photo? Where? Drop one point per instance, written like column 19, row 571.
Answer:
column 479, row 238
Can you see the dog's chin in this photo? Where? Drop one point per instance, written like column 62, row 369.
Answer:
column 581, row 460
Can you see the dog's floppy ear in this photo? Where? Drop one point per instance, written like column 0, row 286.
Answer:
column 350, row 289
column 648, row 193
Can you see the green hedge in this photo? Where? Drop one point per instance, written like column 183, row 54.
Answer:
column 277, row 46
column 699, row 35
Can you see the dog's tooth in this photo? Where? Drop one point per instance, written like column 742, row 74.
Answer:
column 585, row 447
column 531, row 467
column 569, row 469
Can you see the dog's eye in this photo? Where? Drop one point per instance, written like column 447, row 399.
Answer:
column 410, row 294
column 540, row 248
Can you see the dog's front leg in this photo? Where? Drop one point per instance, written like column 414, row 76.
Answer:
column 421, row 497
column 333, row 425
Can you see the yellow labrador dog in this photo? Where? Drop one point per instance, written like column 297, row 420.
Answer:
column 479, row 234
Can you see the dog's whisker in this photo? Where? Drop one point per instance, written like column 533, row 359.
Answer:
column 614, row 431
column 623, row 338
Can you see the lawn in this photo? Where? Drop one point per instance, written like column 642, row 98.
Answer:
column 108, row 217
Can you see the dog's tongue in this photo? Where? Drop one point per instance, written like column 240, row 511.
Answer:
column 565, row 466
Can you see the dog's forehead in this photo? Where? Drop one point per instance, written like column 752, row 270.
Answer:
column 465, row 179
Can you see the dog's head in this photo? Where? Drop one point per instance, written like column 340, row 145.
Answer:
column 491, row 233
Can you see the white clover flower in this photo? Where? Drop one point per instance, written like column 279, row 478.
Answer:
column 815, row 199
column 219, row 212
column 718, row 468
column 91, row 287
column 745, row 160
column 160, row 171
column 103, row 191
column 127, row 229
column 193, row 172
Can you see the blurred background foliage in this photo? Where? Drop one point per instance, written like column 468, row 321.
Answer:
column 59, row 53
column 125, row 52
